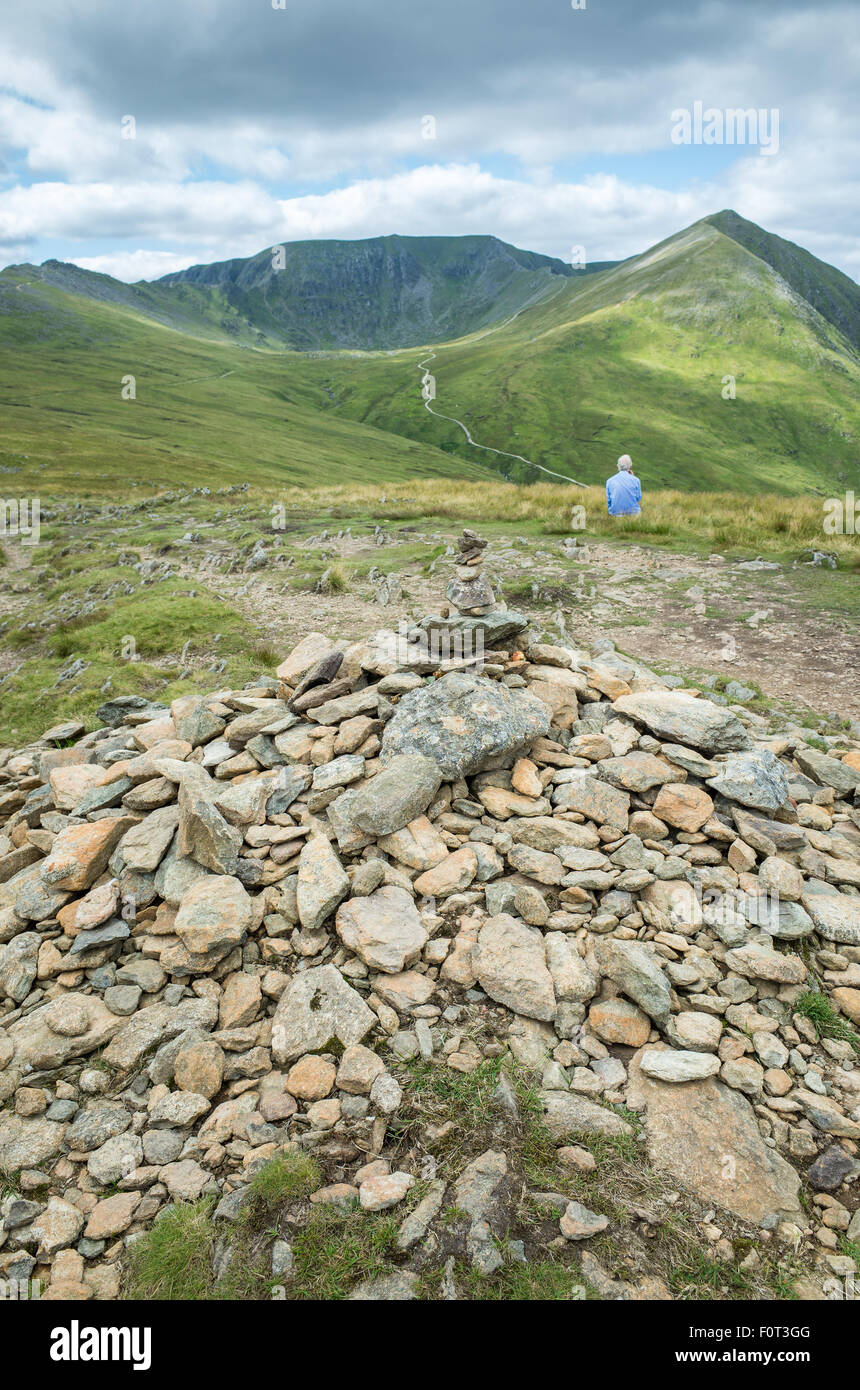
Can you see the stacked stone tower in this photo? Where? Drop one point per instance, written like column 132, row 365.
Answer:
column 470, row 591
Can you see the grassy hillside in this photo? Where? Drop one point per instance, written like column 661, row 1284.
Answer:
column 835, row 295
column 204, row 414
column 633, row 359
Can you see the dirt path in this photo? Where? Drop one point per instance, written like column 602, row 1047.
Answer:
column 693, row 616
column 428, row 393
column 687, row 615
column 428, row 386
column 785, row 631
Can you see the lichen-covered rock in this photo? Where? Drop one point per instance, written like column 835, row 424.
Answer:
column 80, row 853
column 322, row 883
column 510, row 963
column 705, row 1136
column 836, row 916
column 755, row 779
column 635, row 969
column 685, row 719
column 54, row 1033
column 383, row 929
column 316, row 1007
column 396, row 795
column 463, row 722
column 28, row 1142
column 213, row 917
column 827, row 771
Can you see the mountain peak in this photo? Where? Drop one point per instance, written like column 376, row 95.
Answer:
column 834, row 295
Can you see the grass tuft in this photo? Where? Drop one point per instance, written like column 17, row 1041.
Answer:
column 284, row 1179
column 815, row 1006
column 172, row 1260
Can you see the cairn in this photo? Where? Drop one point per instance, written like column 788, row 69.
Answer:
column 470, row 591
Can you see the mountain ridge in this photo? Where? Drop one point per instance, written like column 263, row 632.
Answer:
column 563, row 370
column 830, row 291
column 370, row 294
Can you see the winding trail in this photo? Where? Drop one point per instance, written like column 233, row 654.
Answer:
column 504, row 453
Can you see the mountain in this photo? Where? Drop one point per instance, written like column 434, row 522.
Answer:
column 203, row 414
column 385, row 292
column 700, row 358
column 835, row 295
column 641, row 358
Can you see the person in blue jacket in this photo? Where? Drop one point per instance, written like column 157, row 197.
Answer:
column 624, row 490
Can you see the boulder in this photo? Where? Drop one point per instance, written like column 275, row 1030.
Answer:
column 760, row 962
column 27, row 1143
column 465, row 634
column 308, row 653
column 755, row 779
column 683, row 806
column 145, row 845
column 383, row 929
column 599, row 801
column 322, row 882
column 418, row 845
column 566, row 1114
column 463, row 723
column 827, row 771
column 396, row 795
column 836, row 916
column 619, row 1021
column 317, row 1007
column 685, row 719
column 204, row 834
column 213, row 917
column 667, row 1064
column 81, row 852
column 510, row 964
column 635, row 970
column 579, row 1223
column 706, row 1137
column 55, row 1033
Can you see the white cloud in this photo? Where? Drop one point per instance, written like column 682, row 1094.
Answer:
column 207, row 212
column 142, row 265
column 198, row 221
column 194, row 222
column 330, row 93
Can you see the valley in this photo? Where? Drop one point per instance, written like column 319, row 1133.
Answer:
column 699, row 358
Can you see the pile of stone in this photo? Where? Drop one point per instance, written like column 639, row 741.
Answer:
column 470, row 591
column 226, row 924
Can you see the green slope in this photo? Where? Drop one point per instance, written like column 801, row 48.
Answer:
column 633, row 359
column 835, row 295
column 204, row 414
column 579, row 369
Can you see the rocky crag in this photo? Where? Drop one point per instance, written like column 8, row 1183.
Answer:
column 228, row 928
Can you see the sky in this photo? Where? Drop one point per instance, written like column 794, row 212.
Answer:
column 138, row 137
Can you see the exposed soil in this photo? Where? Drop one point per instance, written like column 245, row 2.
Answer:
column 747, row 625
column 688, row 615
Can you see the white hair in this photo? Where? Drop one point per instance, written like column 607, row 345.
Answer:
column 625, row 464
